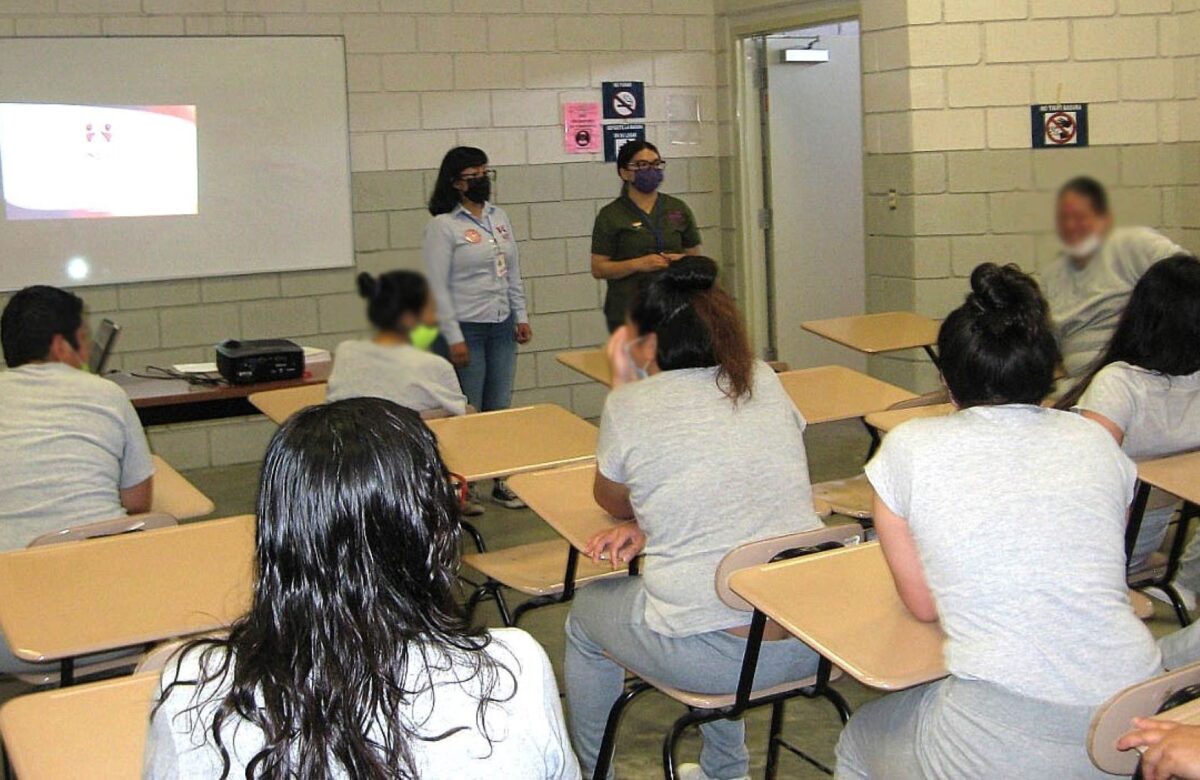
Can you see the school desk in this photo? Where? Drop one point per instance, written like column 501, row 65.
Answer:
column 563, row 498
column 1178, row 475
column 887, row 420
column 278, row 405
column 166, row 401
column 67, row 600
column 844, row 605
column 175, row 496
column 97, row 730
column 877, row 333
column 831, row 393
column 513, row 441
column 592, row 363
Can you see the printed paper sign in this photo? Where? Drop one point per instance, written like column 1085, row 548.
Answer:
column 1059, row 124
column 581, row 128
column 616, row 136
column 624, row 100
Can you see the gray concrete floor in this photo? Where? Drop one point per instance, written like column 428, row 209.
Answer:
column 835, row 450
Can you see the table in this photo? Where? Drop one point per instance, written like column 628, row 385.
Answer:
column 563, row 498
column 831, row 393
column 66, row 600
column 96, row 730
column 845, row 606
column 175, row 496
column 592, row 363
column 887, row 420
column 1178, row 475
column 166, row 401
column 874, row 334
column 278, row 405
column 512, row 441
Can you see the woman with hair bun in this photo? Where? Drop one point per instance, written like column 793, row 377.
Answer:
column 395, row 363
column 693, row 430
column 1006, row 522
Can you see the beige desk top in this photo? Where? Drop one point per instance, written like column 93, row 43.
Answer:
column 830, row 393
column 592, row 363
column 1177, row 474
column 1187, row 714
column 96, row 730
column 875, row 333
column 886, row 421
column 175, row 496
column 66, row 600
column 278, row 405
column 845, row 606
column 563, row 498
column 512, row 441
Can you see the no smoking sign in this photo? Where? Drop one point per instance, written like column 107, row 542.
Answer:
column 1057, row 125
column 624, row 100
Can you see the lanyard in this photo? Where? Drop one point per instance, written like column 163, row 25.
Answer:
column 648, row 221
column 488, row 228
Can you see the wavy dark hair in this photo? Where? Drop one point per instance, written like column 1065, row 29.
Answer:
column 697, row 323
column 391, row 295
column 445, row 198
column 999, row 346
column 1160, row 328
column 357, row 559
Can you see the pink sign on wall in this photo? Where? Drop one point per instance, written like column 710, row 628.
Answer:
column 582, row 133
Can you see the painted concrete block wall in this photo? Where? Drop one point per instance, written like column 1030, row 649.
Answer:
column 947, row 88
column 425, row 75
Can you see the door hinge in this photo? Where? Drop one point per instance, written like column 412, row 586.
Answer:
column 764, row 219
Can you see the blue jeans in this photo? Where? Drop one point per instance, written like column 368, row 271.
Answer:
column 487, row 381
column 609, row 616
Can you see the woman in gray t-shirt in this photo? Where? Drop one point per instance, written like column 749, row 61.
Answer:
column 1005, row 522
column 703, row 453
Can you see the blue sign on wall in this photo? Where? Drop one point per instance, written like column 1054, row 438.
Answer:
column 624, row 100
column 616, row 136
column 1059, row 125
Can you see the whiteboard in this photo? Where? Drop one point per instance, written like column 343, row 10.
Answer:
column 132, row 159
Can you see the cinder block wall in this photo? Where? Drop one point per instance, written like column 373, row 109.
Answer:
column 425, row 75
column 947, row 89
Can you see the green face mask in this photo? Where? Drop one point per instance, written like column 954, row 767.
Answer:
column 423, row 336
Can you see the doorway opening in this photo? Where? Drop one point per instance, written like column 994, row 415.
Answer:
column 801, row 148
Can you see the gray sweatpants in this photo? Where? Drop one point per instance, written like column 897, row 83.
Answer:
column 958, row 728
column 610, row 616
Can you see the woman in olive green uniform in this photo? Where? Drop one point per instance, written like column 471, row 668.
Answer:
column 639, row 232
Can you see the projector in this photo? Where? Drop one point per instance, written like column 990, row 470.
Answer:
column 263, row 360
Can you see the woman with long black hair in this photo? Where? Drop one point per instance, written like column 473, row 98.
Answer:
column 471, row 259
column 354, row 660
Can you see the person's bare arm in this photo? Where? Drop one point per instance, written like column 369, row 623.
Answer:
column 1107, row 424
column 613, row 497
column 136, row 499
column 604, row 267
column 900, row 550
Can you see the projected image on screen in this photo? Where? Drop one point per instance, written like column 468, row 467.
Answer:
column 78, row 162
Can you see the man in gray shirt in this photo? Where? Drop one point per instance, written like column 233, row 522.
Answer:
column 71, row 447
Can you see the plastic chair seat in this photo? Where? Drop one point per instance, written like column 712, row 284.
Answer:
column 537, row 569
column 853, row 497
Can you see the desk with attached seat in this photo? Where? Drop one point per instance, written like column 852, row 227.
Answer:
column 875, row 334
column 175, row 496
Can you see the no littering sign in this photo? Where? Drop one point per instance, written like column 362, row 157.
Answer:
column 1057, row 125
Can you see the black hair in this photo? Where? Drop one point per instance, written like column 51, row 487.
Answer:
column 445, row 198
column 33, row 317
column 1160, row 328
column 391, row 295
column 697, row 323
column 357, row 564
column 627, row 152
column 999, row 346
column 1088, row 188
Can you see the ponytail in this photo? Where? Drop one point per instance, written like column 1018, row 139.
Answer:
column 391, row 295
column 697, row 323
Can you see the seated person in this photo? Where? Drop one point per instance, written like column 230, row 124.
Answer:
column 396, row 364
column 1088, row 285
column 703, row 453
column 354, row 659
column 1145, row 390
column 1006, row 521
column 72, row 449
column 1169, row 750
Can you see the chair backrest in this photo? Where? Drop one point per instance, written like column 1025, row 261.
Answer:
column 927, row 399
column 118, row 525
column 1113, row 717
column 157, row 657
column 756, row 553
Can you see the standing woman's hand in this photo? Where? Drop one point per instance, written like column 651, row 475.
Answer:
column 460, row 356
column 653, row 262
column 524, row 333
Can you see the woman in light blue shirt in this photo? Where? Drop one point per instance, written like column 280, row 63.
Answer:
column 471, row 260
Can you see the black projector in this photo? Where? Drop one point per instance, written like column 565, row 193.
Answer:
column 263, row 360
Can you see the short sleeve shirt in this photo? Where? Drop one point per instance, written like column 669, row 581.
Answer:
column 623, row 231
column 69, row 443
column 1159, row 414
column 1018, row 514
column 704, row 476
column 401, row 373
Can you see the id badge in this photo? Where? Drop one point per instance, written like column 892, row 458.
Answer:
column 501, row 263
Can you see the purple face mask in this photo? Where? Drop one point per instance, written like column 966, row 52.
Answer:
column 647, row 180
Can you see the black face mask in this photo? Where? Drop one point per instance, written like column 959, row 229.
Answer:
column 479, row 190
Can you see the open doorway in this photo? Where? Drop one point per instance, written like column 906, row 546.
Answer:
column 802, row 158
